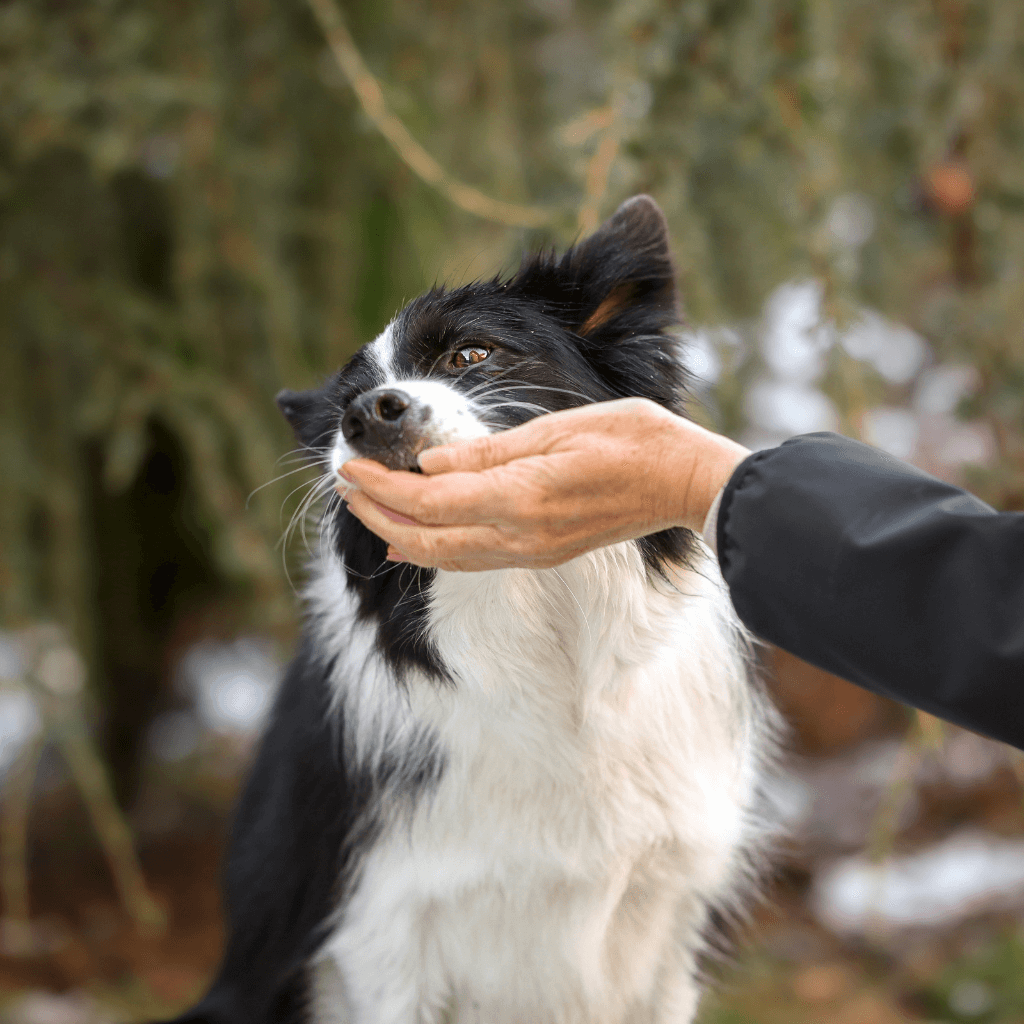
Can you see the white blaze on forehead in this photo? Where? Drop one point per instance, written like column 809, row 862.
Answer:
column 382, row 353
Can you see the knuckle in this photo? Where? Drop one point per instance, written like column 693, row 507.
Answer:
column 473, row 455
column 525, row 545
column 434, row 547
column 484, row 448
column 526, row 503
column 422, row 508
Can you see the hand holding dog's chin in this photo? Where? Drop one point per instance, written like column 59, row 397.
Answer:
column 548, row 491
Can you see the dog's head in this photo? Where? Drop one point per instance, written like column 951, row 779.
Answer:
column 587, row 326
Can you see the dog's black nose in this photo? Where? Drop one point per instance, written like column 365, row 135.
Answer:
column 374, row 419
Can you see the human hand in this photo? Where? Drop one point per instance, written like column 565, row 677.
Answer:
column 545, row 492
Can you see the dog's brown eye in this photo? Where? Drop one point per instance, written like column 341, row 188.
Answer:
column 468, row 356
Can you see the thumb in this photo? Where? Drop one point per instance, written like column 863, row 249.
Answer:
column 486, row 452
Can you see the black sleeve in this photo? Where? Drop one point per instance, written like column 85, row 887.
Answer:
column 882, row 574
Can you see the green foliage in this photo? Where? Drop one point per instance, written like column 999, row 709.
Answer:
column 986, row 987
column 195, row 211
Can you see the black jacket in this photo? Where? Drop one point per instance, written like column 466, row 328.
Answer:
column 882, row 574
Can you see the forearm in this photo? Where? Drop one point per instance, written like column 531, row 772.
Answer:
column 881, row 574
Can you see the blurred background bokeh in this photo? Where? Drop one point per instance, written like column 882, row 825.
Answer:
column 203, row 201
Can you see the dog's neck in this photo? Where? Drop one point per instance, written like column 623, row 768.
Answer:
column 598, row 613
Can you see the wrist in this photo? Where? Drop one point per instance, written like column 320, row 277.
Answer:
column 702, row 465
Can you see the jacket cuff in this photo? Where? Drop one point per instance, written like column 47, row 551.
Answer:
column 710, row 529
column 719, row 525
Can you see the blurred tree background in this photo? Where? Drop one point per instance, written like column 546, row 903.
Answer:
column 203, row 202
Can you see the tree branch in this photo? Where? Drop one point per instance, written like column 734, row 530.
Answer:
column 371, row 96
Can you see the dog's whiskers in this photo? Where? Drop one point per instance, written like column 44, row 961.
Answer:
column 305, row 483
column 277, row 479
column 530, row 406
column 317, row 489
column 523, row 385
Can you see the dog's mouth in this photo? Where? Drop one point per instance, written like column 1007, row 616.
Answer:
column 400, row 457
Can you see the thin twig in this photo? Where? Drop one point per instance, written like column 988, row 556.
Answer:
column 578, row 131
column 55, row 677
column 371, row 96
column 924, row 736
column 609, row 121
column 598, row 171
column 17, row 802
column 116, row 838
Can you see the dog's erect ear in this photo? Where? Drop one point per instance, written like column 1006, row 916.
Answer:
column 304, row 411
column 626, row 263
column 619, row 276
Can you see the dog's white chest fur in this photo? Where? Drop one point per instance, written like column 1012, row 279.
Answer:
column 601, row 748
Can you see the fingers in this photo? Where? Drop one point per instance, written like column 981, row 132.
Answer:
column 428, row 545
column 447, row 499
column 490, row 451
column 460, row 548
column 472, row 548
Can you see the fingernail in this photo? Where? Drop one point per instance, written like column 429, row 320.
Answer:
column 396, row 556
column 341, row 472
column 395, row 517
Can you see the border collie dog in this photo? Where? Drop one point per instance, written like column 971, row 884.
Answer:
column 507, row 797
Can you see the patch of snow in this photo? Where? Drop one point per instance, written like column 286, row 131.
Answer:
column 48, row 1008
column 847, row 791
column 894, row 430
column 700, row 356
column 789, row 408
column 967, row 874
column 232, row 684
column 20, row 722
column 12, row 664
column 967, row 443
column 161, row 155
column 896, row 352
column 794, row 341
column 940, row 389
column 965, row 760
column 851, row 220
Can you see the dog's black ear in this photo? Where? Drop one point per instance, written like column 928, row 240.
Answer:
column 297, row 405
column 305, row 411
column 621, row 277
column 624, row 264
